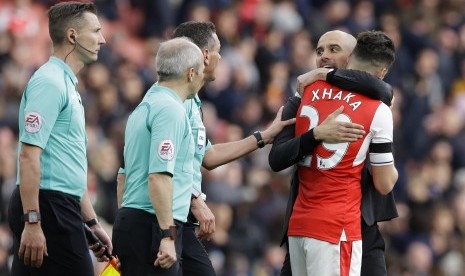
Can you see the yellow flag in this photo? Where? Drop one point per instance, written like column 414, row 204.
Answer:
column 110, row 270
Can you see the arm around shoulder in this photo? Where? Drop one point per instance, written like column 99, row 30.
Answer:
column 311, row 77
column 361, row 82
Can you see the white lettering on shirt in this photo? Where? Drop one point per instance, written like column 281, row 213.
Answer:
column 327, row 94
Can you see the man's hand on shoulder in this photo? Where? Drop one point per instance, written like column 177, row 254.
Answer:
column 276, row 126
column 333, row 131
column 311, row 77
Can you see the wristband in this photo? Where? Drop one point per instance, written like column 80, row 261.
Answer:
column 195, row 194
column 330, row 74
column 91, row 222
column 258, row 136
column 201, row 195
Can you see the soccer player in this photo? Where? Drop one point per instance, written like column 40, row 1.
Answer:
column 333, row 51
column 325, row 229
column 50, row 203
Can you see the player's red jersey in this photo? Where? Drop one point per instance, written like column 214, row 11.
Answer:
column 329, row 195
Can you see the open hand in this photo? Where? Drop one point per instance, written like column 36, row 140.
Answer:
column 276, row 126
column 333, row 131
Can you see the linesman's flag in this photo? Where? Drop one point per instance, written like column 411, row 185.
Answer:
column 111, row 268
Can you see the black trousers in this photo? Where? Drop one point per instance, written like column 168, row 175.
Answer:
column 195, row 260
column 373, row 261
column 62, row 225
column 136, row 240
column 286, row 269
column 373, row 254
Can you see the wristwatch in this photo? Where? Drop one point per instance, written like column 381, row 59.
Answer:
column 197, row 195
column 32, row 216
column 91, row 222
column 258, row 136
column 169, row 233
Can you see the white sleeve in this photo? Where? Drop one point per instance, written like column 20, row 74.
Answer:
column 382, row 130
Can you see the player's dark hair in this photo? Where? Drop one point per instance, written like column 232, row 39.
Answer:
column 201, row 33
column 375, row 47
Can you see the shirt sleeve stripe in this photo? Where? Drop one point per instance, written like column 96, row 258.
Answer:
column 381, row 159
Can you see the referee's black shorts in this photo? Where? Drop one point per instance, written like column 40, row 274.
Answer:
column 61, row 222
column 195, row 260
column 136, row 240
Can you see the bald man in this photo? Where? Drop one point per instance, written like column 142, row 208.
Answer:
column 333, row 51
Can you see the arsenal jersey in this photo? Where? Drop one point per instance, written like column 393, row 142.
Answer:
column 329, row 198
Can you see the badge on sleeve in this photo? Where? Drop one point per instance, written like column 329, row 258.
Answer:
column 166, row 150
column 201, row 139
column 32, row 122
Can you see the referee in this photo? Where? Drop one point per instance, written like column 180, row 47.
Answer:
column 50, row 203
column 158, row 156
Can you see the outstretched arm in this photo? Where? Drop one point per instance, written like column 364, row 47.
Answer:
column 223, row 153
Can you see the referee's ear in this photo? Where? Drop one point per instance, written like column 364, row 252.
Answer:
column 206, row 57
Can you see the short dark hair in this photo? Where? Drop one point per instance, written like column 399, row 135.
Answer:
column 201, row 33
column 64, row 15
column 375, row 47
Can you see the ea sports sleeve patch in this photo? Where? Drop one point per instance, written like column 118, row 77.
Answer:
column 32, row 122
column 166, row 150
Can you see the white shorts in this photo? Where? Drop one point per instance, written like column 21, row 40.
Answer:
column 315, row 257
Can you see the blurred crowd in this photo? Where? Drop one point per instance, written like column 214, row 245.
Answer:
column 266, row 44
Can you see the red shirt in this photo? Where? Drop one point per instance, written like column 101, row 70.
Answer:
column 329, row 196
